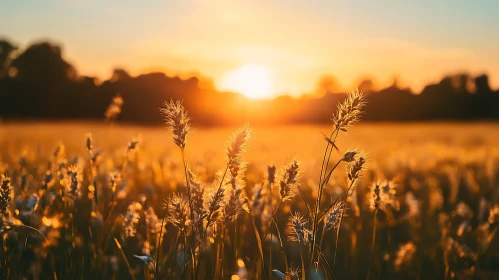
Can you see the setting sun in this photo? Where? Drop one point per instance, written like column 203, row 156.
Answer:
column 251, row 80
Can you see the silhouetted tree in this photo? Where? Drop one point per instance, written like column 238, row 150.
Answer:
column 42, row 64
column 119, row 74
column 47, row 86
column 327, row 84
column 6, row 54
column 366, row 86
column 482, row 85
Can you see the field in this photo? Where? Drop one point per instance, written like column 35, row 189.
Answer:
column 99, row 205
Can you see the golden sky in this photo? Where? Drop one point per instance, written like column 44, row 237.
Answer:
column 291, row 44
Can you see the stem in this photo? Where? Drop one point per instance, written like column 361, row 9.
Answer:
column 211, row 206
column 124, row 258
column 339, row 225
column 282, row 247
column 274, row 212
column 223, row 254
column 158, row 247
column 317, row 206
column 188, row 190
column 193, row 228
column 372, row 244
column 324, row 163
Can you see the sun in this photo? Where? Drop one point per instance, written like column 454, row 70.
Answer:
column 251, row 80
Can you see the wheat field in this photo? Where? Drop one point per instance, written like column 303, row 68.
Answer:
column 120, row 203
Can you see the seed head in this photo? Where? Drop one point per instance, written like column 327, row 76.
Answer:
column 271, row 174
column 74, row 181
column 213, row 205
column 153, row 223
column 177, row 120
column 197, row 194
column 114, row 180
column 298, row 229
column 350, row 111
column 460, row 251
column 383, row 196
column 349, row 156
column 235, row 148
column 5, row 194
column 132, row 145
column 89, row 143
column 294, row 273
column 257, row 200
column 235, row 204
column 132, row 218
column 178, row 211
column 404, row 255
column 114, row 108
column 333, row 216
column 413, row 204
column 288, row 179
column 356, row 165
column 494, row 214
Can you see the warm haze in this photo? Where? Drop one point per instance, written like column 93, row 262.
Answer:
column 249, row 140
column 265, row 48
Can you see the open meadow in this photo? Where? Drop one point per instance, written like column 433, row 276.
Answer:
column 249, row 140
column 94, row 206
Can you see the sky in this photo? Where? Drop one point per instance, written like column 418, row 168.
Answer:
column 295, row 42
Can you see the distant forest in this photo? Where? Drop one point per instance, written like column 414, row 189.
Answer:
column 38, row 84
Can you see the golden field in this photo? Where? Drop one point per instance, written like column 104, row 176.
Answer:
column 447, row 195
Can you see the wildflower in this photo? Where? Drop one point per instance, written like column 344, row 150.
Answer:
column 177, row 120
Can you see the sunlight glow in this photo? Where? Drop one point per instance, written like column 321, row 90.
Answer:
column 251, row 80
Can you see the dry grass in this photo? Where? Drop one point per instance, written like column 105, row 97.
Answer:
column 440, row 221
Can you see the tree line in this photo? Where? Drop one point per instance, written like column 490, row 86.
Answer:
column 38, row 83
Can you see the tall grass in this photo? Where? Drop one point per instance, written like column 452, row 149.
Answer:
column 126, row 214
